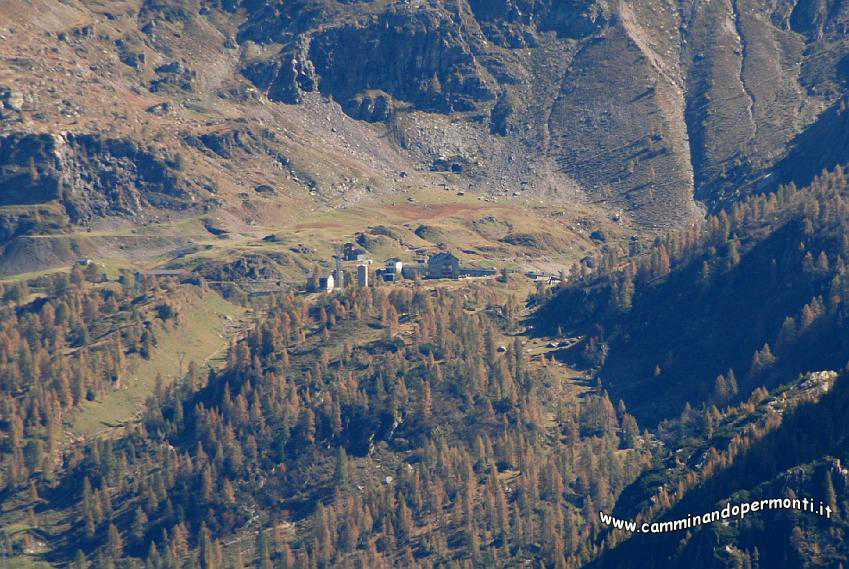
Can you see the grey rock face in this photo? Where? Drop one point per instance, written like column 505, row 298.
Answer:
column 88, row 175
column 419, row 57
column 649, row 107
column 11, row 100
column 516, row 23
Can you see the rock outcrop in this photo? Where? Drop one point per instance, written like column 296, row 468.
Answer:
column 88, row 175
column 517, row 23
column 417, row 57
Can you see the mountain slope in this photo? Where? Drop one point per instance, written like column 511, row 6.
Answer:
column 190, row 105
column 758, row 294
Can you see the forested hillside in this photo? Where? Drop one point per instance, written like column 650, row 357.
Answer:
column 378, row 428
column 644, row 209
column 716, row 335
column 415, row 425
column 66, row 340
column 798, row 453
column 751, row 297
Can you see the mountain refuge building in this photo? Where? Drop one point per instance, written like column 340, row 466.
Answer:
column 443, row 266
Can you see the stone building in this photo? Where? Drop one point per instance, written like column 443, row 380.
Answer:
column 443, row 266
column 362, row 275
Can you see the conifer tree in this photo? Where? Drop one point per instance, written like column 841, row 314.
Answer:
column 341, row 475
column 80, row 560
column 114, row 542
column 139, row 527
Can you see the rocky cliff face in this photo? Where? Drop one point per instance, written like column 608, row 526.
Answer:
column 415, row 57
column 89, row 176
column 418, row 57
column 647, row 105
column 516, row 24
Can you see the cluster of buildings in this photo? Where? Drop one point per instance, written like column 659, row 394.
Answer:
column 546, row 277
column 442, row 265
column 336, row 280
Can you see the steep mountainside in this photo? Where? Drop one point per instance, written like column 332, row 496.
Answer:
column 139, row 108
column 758, row 295
column 641, row 103
column 711, row 340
